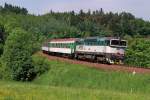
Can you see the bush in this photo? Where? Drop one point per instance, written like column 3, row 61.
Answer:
column 41, row 65
column 138, row 53
column 16, row 59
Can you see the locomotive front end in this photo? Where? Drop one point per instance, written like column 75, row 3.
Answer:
column 116, row 51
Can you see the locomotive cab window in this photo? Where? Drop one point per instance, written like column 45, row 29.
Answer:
column 118, row 43
column 114, row 42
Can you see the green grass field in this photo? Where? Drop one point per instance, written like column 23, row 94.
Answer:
column 28, row 91
column 65, row 81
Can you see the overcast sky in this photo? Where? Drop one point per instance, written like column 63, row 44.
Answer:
column 140, row 8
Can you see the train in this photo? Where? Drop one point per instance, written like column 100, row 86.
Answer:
column 110, row 50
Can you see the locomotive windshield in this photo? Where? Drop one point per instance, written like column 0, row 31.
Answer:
column 118, row 43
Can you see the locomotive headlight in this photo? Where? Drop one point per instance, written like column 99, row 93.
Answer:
column 118, row 53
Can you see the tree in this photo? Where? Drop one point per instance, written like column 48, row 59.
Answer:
column 14, row 9
column 2, row 38
column 16, row 59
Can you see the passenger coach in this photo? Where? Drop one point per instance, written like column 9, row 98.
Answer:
column 60, row 46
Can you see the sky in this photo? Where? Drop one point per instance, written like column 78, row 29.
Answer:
column 139, row 8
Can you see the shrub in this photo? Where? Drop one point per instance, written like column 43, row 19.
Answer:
column 138, row 53
column 16, row 59
column 41, row 65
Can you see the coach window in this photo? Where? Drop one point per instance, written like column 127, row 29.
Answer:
column 55, row 45
column 67, row 45
column 70, row 45
column 58, row 45
column 64, row 45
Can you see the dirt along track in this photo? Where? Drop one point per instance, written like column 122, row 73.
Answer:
column 105, row 67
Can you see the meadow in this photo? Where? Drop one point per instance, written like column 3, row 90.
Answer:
column 28, row 91
column 65, row 81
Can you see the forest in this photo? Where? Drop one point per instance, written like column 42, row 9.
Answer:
column 21, row 36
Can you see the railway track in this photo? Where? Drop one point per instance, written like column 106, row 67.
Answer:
column 105, row 67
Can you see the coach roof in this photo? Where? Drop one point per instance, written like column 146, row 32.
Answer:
column 64, row 39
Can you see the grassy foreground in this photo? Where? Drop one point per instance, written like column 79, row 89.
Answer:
column 65, row 81
column 27, row 91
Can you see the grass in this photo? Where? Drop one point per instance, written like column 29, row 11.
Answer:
column 79, row 76
column 65, row 81
column 28, row 91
